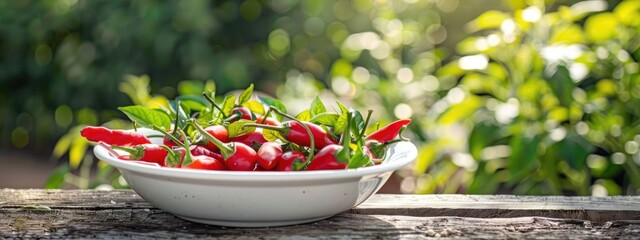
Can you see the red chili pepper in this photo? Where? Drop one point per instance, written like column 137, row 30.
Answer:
column 219, row 132
column 388, row 132
column 294, row 132
column 285, row 163
column 114, row 137
column 327, row 159
column 268, row 155
column 146, row 152
column 237, row 156
column 205, row 163
column 252, row 139
column 268, row 121
column 194, row 150
column 239, row 113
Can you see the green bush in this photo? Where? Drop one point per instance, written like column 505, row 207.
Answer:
column 538, row 99
column 544, row 103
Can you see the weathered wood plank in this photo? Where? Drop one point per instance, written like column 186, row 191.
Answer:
column 596, row 209
column 118, row 214
column 154, row 223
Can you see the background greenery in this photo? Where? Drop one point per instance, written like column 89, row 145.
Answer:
column 524, row 97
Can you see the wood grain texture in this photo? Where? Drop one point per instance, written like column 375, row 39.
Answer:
column 123, row 214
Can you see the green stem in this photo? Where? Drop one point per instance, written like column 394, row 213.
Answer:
column 187, row 149
column 366, row 123
column 306, row 128
column 128, row 150
column 214, row 104
column 171, row 137
column 266, row 115
column 234, row 116
column 225, row 149
column 280, row 129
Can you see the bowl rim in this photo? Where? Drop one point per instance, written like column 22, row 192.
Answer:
column 409, row 155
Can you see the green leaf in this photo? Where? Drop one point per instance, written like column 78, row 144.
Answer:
column 326, row 118
column 63, row 144
column 77, row 151
column 179, row 111
column 272, row 135
column 574, row 149
column 245, row 95
column 194, row 102
column 254, row 106
column 317, row 107
column 359, row 159
column 56, row 179
column 190, row 87
column 147, row 117
column 488, row 19
column 304, row 115
column 343, row 109
column 482, row 136
column 460, row 111
column 523, row 156
column 276, row 104
column 562, row 85
column 228, row 104
column 341, row 123
column 357, row 122
column 601, row 27
column 237, row 128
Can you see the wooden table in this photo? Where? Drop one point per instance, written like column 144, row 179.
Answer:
column 123, row 214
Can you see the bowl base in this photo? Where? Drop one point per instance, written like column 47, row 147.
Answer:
column 252, row 223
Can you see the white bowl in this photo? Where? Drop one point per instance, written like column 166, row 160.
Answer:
column 257, row 199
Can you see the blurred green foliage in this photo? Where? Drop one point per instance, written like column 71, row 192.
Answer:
column 529, row 97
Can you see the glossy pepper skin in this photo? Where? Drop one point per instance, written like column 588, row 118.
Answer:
column 195, row 151
column 252, row 139
column 269, row 154
column 389, row 132
column 326, row 159
column 238, row 113
column 243, row 159
column 219, row 132
column 205, row 163
column 285, row 162
column 268, row 121
column 295, row 133
column 114, row 137
column 146, row 152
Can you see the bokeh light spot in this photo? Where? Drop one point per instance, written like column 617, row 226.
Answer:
column 279, row 42
column 473, row 62
column 20, row 137
column 63, row 116
column 403, row 111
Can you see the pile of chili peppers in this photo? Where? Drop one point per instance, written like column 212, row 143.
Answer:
column 245, row 134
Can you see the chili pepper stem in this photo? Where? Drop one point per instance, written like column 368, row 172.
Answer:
column 266, row 115
column 366, row 123
column 171, row 137
column 306, row 128
column 265, row 126
column 224, row 148
column 187, row 151
column 214, row 104
column 131, row 151
column 234, row 116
